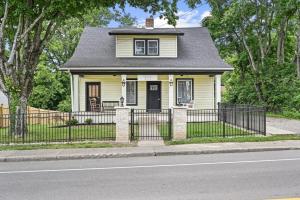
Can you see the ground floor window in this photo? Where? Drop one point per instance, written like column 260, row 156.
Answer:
column 131, row 92
column 184, row 92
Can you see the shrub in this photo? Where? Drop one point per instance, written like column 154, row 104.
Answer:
column 88, row 121
column 72, row 122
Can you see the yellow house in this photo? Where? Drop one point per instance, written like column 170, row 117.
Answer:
column 146, row 68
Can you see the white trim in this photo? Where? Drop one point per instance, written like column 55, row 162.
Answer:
column 75, row 93
column 218, row 89
column 123, row 78
column 171, row 91
column 135, row 47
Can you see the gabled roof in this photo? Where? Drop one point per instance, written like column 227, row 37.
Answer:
column 96, row 52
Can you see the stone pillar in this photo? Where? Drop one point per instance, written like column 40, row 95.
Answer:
column 123, row 82
column 171, row 91
column 122, row 124
column 218, row 89
column 179, row 123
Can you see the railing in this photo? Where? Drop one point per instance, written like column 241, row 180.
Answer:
column 148, row 124
column 227, row 121
column 60, row 127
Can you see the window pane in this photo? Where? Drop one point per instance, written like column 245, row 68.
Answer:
column 152, row 47
column 139, row 47
column 184, row 88
column 131, row 92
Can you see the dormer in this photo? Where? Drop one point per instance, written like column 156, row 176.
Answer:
column 148, row 42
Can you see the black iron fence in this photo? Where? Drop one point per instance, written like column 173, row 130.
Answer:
column 148, row 124
column 59, row 127
column 226, row 121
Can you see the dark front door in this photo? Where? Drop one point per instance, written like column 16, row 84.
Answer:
column 154, row 95
column 93, row 96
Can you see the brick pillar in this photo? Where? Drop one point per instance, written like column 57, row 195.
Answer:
column 122, row 124
column 179, row 123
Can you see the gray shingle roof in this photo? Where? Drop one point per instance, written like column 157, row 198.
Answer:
column 196, row 53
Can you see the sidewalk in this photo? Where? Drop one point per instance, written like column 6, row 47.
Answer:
column 188, row 149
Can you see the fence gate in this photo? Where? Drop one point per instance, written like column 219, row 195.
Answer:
column 148, row 124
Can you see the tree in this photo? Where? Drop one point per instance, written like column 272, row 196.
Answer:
column 258, row 38
column 26, row 28
column 51, row 88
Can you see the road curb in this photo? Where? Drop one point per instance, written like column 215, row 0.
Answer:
column 139, row 154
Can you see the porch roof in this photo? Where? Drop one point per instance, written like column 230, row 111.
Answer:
column 96, row 52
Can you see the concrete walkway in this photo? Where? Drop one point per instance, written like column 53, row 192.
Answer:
column 276, row 126
column 149, row 134
column 189, row 149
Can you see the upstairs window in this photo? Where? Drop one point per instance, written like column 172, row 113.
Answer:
column 146, row 47
column 140, row 47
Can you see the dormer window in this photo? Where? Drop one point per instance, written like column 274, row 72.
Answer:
column 146, row 47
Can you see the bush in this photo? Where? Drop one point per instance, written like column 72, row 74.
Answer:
column 72, row 122
column 65, row 105
column 88, row 121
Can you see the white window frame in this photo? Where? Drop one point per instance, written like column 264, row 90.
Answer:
column 157, row 47
column 135, row 47
column 135, row 103
column 177, row 92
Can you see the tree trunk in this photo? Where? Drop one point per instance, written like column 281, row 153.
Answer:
column 281, row 40
column 21, row 122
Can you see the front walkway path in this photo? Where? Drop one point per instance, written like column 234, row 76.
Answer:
column 282, row 126
column 149, row 134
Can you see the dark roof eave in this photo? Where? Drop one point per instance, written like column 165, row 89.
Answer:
column 145, row 33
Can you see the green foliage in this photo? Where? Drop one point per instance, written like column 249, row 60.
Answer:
column 65, row 105
column 259, row 41
column 88, row 121
column 72, row 122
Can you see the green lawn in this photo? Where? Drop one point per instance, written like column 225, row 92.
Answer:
column 214, row 129
column 235, row 139
column 46, row 133
column 285, row 114
column 63, row 146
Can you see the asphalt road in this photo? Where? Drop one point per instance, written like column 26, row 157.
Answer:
column 261, row 175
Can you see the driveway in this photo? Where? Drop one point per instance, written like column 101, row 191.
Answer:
column 283, row 126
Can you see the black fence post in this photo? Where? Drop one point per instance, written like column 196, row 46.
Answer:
column 132, row 124
column 265, row 121
column 170, row 123
column 70, row 128
column 224, row 120
column 23, row 127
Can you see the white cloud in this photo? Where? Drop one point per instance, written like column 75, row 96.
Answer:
column 186, row 19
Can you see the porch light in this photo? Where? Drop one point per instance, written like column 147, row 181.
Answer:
column 123, row 83
column 171, row 81
column 122, row 101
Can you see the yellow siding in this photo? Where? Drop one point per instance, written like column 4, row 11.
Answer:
column 167, row 45
column 203, row 91
column 111, row 90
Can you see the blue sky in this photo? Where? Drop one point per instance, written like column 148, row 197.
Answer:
column 187, row 17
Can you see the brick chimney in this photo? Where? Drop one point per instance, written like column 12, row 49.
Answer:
column 149, row 22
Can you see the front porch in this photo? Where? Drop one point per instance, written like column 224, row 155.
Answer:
column 152, row 92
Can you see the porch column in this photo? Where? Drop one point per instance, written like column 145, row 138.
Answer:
column 218, row 89
column 123, row 82
column 75, row 93
column 171, row 91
